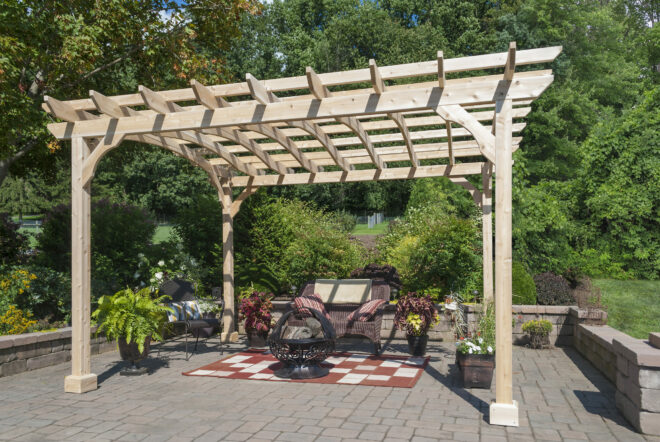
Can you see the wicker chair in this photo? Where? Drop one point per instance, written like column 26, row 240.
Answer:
column 339, row 314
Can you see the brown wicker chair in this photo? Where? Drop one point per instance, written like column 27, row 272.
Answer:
column 339, row 314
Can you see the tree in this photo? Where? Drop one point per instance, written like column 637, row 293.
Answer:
column 64, row 49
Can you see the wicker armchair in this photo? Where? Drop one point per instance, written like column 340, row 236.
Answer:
column 339, row 313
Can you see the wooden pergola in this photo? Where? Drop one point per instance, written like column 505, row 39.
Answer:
column 440, row 120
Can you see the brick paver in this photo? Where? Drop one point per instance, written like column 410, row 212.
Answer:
column 561, row 397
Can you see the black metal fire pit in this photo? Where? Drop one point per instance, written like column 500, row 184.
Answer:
column 301, row 358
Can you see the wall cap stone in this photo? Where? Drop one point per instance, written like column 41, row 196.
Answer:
column 654, row 339
column 637, row 351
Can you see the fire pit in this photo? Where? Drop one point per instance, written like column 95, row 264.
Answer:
column 301, row 358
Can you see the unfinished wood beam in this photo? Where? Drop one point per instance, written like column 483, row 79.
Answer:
column 464, row 183
column 331, row 107
column 460, row 116
column 264, row 96
column 156, row 102
column 442, row 81
column 206, row 98
column 449, row 142
column 399, row 173
column 321, row 92
column 397, row 117
column 510, row 65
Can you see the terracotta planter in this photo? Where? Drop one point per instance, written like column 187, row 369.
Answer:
column 477, row 370
column 257, row 339
column 417, row 345
column 130, row 352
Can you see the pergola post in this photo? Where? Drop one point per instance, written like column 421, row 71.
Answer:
column 504, row 411
column 487, row 230
column 229, row 333
column 81, row 378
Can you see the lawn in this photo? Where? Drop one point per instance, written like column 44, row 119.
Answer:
column 363, row 229
column 162, row 234
column 632, row 306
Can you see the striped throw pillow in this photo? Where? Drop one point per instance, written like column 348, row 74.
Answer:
column 301, row 304
column 366, row 311
column 183, row 311
column 177, row 314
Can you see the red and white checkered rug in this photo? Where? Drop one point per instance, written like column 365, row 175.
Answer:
column 345, row 368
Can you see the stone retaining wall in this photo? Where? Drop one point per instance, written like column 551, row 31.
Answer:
column 633, row 365
column 29, row 351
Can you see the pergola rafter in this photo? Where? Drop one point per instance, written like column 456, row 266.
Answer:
column 388, row 131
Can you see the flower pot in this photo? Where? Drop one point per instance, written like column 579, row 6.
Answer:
column 257, row 339
column 129, row 352
column 417, row 345
column 539, row 341
column 477, row 370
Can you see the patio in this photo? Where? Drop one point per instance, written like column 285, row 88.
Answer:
column 562, row 397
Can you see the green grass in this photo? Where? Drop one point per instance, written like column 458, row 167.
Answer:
column 362, row 229
column 633, row 307
column 162, row 234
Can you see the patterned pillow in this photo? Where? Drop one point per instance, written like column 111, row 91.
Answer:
column 366, row 311
column 301, row 304
column 184, row 311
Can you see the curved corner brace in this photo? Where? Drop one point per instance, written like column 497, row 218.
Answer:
column 236, row 204
column 464, row 183
column 482, row 136
column 89, row 167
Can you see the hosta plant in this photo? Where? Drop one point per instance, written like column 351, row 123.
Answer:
column 134, row 316
column 415, row 314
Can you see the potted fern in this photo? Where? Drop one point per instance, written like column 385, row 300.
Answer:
column 133, row 319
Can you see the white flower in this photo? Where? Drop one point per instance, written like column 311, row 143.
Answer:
column 481, row 341
column 140, row 255
column 158, row 276
column 457, row 343
column 477, row 348
column 152, row 280
column 490, row 349
column 470, row 350
column 136, row 275
column 161, row 263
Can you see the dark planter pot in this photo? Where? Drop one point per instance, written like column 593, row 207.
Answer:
column 477, row 370
column 257, row 339
column 204, row 332
column 130, row 352
column 539, row 341
column 417, row 345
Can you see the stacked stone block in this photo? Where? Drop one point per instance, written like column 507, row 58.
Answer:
column 30, row 351
column 638, row 382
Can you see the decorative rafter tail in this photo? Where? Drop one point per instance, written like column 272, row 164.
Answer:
column 510, row 65
column 442, row 81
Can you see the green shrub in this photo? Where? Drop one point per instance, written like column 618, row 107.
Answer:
column 199, row 227
column 434, row 250
column 540, row 327
column 553, row 289
column 344, row 221
column 47, row 294
column 12, row 243
column 524, row 289
column 120, row 232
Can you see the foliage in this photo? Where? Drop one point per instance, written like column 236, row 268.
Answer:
column 14, row 321
column 541, row 327
column 200, row 229
column 14, row 283
column 444, row 195
column 120, row 232
column 375, row 271
column 255, row 309
column 553, row 289
column 415, row 314
column 12, row 243
column 632, row 306
column 483, row 339
column 523, row 288
column 134, row 316
column 432, row 249
column 344, row 221
column 64, row 49
column 475, row 346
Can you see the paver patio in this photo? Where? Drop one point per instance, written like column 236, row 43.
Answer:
column 561, row 397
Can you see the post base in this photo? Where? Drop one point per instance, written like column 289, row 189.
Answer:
column 229, row 337
column 504, row 414
column 80, row 384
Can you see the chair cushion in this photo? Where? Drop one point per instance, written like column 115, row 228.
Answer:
column 184, row 310
column 343, row 291
column 302, row 304
column 366, row 311
column 206, row 322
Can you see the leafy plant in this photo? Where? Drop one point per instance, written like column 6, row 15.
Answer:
column 134, row 316
column 553, row 289
column 476, row 346
column 415, row 314
column 255, row 309
column 14, row 321
column 541, row 327
column 483, row 339
column 375, row 271
column 524, row 290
